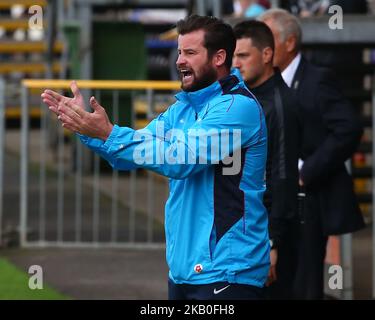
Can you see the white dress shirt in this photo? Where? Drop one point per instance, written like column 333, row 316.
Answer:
column 290, row 70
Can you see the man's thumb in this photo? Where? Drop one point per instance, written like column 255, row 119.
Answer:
column 95, row 104
column 74, row 88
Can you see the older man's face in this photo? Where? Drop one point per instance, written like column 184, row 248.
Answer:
column 281, row 54
column 195, row 67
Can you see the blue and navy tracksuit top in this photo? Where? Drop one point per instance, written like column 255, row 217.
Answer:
column 215, row 223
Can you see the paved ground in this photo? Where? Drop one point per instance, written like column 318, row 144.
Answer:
column 98, row 273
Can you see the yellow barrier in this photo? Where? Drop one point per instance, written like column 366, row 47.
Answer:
column 27, row 67
column 14, row 24
column 15, row 113
column 102, row 84
column 28, row 46
column 7, row 4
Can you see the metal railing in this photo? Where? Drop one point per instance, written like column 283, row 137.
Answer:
column 2, row 138
column 58, row 213
column 373, row 189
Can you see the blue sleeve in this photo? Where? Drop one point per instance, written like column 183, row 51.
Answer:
column 227, row 126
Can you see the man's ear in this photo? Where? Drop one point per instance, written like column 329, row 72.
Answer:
column 219, row 58
column 267, row 55
column 291, row 43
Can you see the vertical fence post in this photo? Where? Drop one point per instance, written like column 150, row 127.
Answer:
column 115, row 174
column 24, row 165
column 78, row 188
column 42, row 174
column 275, row 3
column 96, row 192
column 132, row 193
column 217, row 8
column 150, row 180
column 60, row 186
column 347, row 266
column 373, row 186
column 346, row 257
column 2, row 151
column 201, row 7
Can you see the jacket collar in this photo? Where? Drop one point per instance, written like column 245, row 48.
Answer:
column 267, row 86
column 197, row 99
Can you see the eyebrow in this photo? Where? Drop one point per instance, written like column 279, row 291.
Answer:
column 242, row 53
column 187, row 49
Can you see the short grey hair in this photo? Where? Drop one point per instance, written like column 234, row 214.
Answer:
column 286, row 23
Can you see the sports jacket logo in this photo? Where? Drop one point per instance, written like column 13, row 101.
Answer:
column 220, row 290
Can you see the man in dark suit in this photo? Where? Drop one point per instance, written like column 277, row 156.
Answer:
column 253, row 57
column 331, row 133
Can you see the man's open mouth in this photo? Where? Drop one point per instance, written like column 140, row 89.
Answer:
column 186, row 74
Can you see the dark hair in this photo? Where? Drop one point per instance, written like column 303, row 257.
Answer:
column 259, row 33
column 218, row 35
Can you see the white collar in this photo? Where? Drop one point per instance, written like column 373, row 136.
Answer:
column 290, row 70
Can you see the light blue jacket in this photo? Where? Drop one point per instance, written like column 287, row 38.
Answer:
column 215, row 223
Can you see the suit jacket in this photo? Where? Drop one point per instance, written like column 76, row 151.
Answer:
column 280, row 107
column 331, row 133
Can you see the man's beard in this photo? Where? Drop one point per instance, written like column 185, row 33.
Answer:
column 208, row 76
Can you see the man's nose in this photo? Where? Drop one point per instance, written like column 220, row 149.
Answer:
column 180, row 60
column 235, row 63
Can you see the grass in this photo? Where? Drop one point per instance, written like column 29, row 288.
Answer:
column 14, row 285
